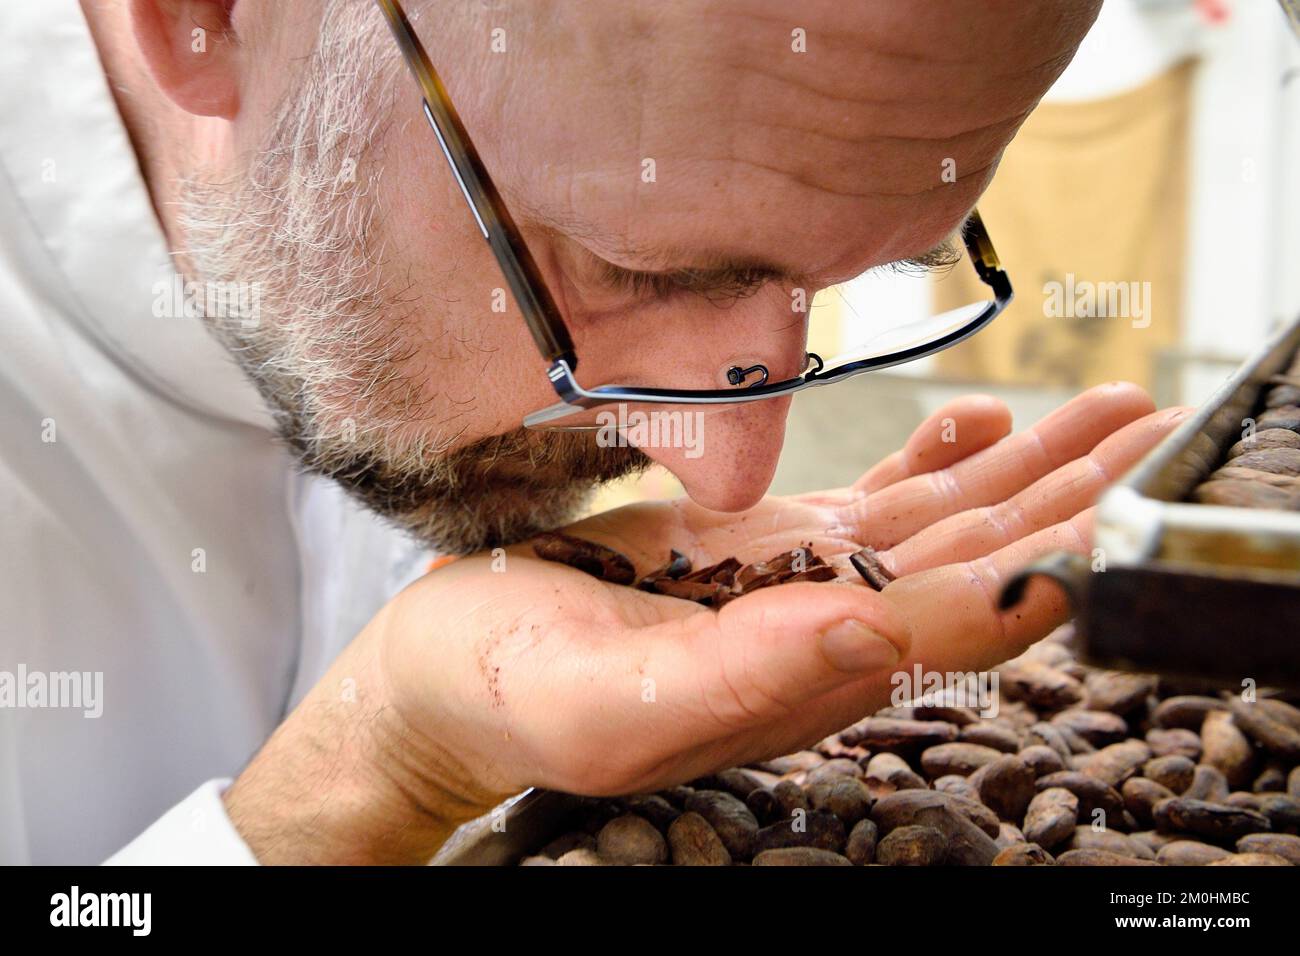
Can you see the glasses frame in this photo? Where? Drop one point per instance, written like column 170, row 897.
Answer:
column 543, row 318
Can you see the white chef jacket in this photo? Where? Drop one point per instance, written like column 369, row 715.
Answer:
column 162, row 539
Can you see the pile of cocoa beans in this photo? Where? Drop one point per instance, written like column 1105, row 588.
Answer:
column 1263, row 469
column 1078, row 767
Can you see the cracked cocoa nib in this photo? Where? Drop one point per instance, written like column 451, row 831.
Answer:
column 595, row 559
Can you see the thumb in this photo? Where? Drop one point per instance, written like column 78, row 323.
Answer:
column 764, row 655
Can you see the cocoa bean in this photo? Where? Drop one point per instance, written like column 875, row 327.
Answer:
column 1024, row 854
column 1214, row 821
column 1042, row 760
column 586, row 556
column 735, row 825
column 1140, row 797
column 1226, row 748
column 960, row 716
column 1272, row 779
column 1175, row 741
column 1293, row 783
column 1186, row 711
column 868, row 564
column 1277, row 461
column 899, row 736
column 845, row 797
column 1117, row 691
column 1098, row 727
column 988, row 734
column 537, row 861
column 861, row 848
column 1051, row 817
column 1189, row 853
column 912, row 845
column 629, row 839
column 968, row 845
column 1262, row 441
column 1118, row 762
column 1271, row 734
column 1238, row 493
column 1282, row 416
column 1093, row 794
column 816, row 828
column 1112, row 841
column 1043, row 687
column 803, row 760
column 800, row 856
column 1076, row 743
column 833, row 769
column 956, row 758
column 1045, row 735
column 958, row 785
column 694, row 843
column 1283, row 812
column 895, row 771
column 1005, row 785
column 790, row 797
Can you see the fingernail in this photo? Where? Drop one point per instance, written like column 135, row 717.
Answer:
column 852, row 646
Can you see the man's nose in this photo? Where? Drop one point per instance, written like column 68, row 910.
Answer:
column 726, row 459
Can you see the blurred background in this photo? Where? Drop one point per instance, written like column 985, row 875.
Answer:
column 1148, row 215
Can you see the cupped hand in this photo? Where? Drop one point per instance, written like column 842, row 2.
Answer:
column 519, row 672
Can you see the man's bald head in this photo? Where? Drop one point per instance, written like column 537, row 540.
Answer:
column 806, row 143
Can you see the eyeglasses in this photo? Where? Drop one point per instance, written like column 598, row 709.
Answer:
column 905, row 344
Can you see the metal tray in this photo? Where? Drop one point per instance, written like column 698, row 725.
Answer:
column 1183, row 588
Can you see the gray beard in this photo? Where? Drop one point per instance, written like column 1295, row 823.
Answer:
column 327, row 352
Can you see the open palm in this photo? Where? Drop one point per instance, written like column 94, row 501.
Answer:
column 545, row 676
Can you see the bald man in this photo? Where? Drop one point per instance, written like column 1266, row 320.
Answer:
column 212, row 541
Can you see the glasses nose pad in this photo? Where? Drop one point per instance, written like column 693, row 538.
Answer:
column 736, row 375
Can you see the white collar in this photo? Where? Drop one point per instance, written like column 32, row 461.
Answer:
column 95, row 218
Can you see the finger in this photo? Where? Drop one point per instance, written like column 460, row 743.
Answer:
column 960, row 428
column 996, row 473
column 1065, row 492
column 972, row 632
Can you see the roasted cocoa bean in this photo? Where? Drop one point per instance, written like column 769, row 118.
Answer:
column 1189, row 853
column 694, row 843
column 1117, row 691
column 734, row 823
column 988, row 734
column 1208, row 783
column 1098, row 727
column 958, row 758
column 1118, row 762
column 587, row 556
column 1261, row 726
column 1005, row 786
column 630, row 839
column 816, row 828
column 968, row 845
column 1093, row 793
column 1051, row 817
column 1226, row 748
column 912, row 845
column 1039, row 686
column 861, row 848
column 1140, row 797
column 1285, row 845
column 1214, row 821
column 899, row 736
column 1042, row 760
column 1174, row 742
column 1252, row 859
column 1099, row 858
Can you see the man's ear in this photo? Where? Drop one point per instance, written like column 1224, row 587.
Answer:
column 192, row 52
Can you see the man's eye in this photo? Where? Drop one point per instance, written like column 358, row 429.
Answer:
column 642, row 285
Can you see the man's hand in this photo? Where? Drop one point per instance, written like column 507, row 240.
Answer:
column 490, row 676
